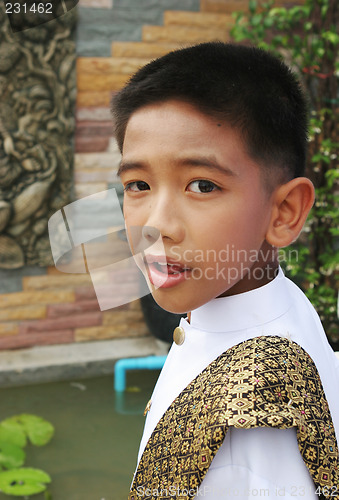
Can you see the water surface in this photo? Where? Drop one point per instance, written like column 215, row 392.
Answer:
column 93, row 453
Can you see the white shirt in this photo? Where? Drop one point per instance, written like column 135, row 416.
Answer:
column 261, row 462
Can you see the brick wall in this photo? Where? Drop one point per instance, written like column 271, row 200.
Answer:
column 57, row 308
column 41, row 306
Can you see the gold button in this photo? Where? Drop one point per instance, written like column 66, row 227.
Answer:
column 179, row 335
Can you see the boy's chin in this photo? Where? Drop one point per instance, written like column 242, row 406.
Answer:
column 170, row 306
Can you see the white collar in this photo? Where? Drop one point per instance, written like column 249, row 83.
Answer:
column 244, row 310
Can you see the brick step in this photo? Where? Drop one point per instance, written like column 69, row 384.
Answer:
column 94, row 114
column 50, row 282
column 109, row 65
column 93, row 98
column 97, row 128
column 123, row 322
column 72, row 308
column 91, row 175
column 84, row 315
column 121, row 330
column 8, row 330
column 142, row 49
column 23, row 341
column 91, row 144
column 100, row 82
column 183, row 34
column 198, row 19
column 224, row 6
column 87, row 189
column 82, row 320
column 23, row 313
column 229, row 6
column 28, row 298
column 53, row 270
column 91, row 136
column 108, row 160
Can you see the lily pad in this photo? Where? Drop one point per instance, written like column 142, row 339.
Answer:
column 11, row 456
column 12, row 431
column 24, row 481
column 39, row 431
column 15, row 429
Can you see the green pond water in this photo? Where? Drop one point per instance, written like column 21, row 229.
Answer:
column 93, row 453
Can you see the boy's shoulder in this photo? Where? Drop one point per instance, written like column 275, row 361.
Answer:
column 268, row 362
column 273, row 382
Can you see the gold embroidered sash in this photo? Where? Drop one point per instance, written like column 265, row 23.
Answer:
column 262, row 382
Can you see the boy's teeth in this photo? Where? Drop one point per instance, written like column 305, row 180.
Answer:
column 170, row 268
column 176, row 268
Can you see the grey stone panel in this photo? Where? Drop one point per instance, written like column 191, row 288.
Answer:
column 97, row 28
column 157, row 4
column 11, row 279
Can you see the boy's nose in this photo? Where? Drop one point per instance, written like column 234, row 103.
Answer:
column 164, row 218
column 150, row 234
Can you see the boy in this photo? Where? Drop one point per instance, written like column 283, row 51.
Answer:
column 213, row 141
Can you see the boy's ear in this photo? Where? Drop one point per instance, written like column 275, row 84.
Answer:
column 291, row 204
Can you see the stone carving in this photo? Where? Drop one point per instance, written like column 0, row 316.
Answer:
column 37, row 122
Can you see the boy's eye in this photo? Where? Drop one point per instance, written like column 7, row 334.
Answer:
column 136, row 186
column 202, row 186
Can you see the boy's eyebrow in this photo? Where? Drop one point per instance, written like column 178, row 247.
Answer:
column 201, row 161
column 123, row 167
column 209, row 162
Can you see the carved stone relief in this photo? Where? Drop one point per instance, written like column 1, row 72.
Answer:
column 37, row 122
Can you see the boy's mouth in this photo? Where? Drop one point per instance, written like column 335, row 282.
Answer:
column 164, row 265
column 164, row 272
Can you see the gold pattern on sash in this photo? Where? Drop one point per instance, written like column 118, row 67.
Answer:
column 262, row 382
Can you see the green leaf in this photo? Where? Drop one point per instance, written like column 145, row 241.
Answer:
column 256, row 20
column 296, row 12
column 252, row 6
column 15, row 429
column 39, row 431
column 268, row 22
column 320, row 51
column 11, row 456
column 317, row 157
column 12, row 432
column 24, row 481
column 331, row 36
column 278, row 12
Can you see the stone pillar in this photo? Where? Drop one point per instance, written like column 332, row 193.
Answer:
column 37, row 109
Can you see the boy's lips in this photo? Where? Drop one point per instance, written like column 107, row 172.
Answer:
column 164, row 272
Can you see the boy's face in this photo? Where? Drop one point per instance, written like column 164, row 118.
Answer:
column 188, row 176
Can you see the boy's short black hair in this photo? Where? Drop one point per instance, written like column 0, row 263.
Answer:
column 246, row 87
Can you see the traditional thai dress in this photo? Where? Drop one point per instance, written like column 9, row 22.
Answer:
column 247, row 406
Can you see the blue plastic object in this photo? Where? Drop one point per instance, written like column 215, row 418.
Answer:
column 145, row 363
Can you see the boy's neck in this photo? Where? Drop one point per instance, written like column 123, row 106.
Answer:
column 251, row 281
column 260, row 274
